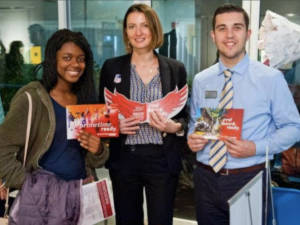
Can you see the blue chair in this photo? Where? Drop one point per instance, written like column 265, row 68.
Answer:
column 286, row 206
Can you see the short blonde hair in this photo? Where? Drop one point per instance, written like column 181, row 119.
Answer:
column 154, row 25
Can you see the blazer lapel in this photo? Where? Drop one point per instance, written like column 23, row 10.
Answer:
column 165, row 75
column 164, row 71
column 124, row 86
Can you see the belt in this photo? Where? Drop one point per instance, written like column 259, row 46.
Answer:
column 233, row 171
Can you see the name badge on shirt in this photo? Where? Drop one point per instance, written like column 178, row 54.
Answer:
column 211, row 94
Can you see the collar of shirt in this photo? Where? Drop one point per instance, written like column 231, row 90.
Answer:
column 240, row 68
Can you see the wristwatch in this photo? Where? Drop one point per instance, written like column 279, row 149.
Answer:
column 179, row 133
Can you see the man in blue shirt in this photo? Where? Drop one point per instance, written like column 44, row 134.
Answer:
column 270, row 117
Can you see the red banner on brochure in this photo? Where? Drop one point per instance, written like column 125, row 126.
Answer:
column 105, row 199
column 168, row 106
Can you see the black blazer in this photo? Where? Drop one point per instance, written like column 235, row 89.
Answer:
column 172, row 74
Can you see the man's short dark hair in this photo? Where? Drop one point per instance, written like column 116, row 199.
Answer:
column 227, row 8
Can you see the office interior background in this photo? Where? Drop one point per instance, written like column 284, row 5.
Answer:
column 26, row 25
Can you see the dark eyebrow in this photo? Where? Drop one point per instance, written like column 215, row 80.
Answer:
column 221, row 25
column 236, row 24
column 71, row 54
column 239, row 24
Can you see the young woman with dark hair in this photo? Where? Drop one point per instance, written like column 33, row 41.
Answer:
column 55, row 166
column 84, row 88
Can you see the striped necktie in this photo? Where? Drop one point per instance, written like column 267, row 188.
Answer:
column 218, row 150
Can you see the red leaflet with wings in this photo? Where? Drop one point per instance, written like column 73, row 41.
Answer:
column 171, row 104
column 168, row 106
column 126, row 106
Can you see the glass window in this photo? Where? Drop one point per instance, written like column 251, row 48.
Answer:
column 101, row 22
column 187, row 26
column 25, row 27
column 181, row 41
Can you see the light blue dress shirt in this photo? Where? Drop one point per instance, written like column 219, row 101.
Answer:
column 1, row 111
column 270, row 114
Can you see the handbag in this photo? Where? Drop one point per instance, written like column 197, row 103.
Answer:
column 291, row 161
column 4, row 219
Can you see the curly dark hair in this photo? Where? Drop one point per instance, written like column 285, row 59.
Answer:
column 84, row 88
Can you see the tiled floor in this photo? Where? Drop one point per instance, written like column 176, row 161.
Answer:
column 184, row 204
column 177, row 221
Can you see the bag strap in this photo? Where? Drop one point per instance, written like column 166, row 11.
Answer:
column 29, row 119
column 6, row 204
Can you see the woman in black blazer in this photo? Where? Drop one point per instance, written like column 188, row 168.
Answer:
column 145, row 155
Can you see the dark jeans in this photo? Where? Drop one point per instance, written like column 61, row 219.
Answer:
column 2, row 205
column 212, row 191
column 143, row 167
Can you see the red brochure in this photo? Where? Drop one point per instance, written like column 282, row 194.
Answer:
column 168, row 106
column 219, row 123
column 97, row 119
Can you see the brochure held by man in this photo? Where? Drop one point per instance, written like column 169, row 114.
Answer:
column 215, row 123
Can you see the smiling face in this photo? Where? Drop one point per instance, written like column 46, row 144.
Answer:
column 230, row 36
column 70, row 63
column 138, row 31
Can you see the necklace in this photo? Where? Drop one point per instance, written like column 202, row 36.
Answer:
column 149, row 68
column 152, row 67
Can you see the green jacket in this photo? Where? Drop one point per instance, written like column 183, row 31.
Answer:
column 13, row 132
